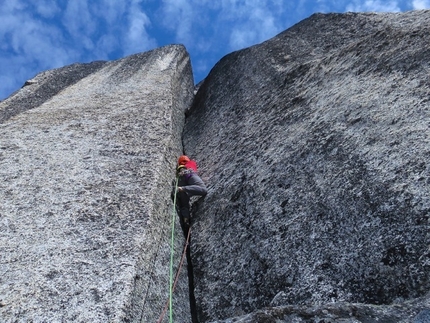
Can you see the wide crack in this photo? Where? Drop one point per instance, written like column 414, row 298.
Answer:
column 190, row 273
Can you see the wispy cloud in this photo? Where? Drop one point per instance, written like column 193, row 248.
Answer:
column 137, row 37
column 44, row 34
column 257, row 25
column 28, row 43
column 421, row 4
column 214, row 28
column 181, row 16
column 252, row 22
column 82, row 28
column 374, row 6
column 110, row 11
column 243, row 22
column 46, row 8
column 41, row 35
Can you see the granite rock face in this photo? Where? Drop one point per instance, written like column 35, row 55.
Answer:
column 87, row 156
column 315, row 146
column 340, row 313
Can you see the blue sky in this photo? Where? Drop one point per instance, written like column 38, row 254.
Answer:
column 38, row 35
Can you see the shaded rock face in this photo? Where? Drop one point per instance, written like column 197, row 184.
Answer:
column 315, row 147
column 340, row 313
column 87, row 155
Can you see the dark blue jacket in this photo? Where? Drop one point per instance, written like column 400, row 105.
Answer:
column 191, row 183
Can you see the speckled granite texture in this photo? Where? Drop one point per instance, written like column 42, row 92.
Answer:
column 315, row 146
column 87, row 156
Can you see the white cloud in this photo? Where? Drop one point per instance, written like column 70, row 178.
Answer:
column 11, row 5
column 30, row 47
column 28, row 37
column 47, row 34
column 421, row 4
column 125, row 27
column 46, row 8
column 180, row 16
column 120, row 26
column 111, row 11
column 323, row 6
column 79, row 22
column 241, row 22
column 43, row 34
column 105, row 45
column 137, row 38
column 252, row 22
column 241, row 38
column 374, row 6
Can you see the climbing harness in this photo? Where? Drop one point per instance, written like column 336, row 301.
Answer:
column 172, row 284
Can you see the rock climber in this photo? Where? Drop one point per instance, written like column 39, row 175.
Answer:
column 189, row 184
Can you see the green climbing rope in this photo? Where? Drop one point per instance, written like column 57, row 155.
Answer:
column 172, row 253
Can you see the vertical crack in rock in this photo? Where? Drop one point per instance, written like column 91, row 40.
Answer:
column 190, row 275
column 193, row 309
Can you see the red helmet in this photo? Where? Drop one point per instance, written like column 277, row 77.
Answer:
column 183, row 160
